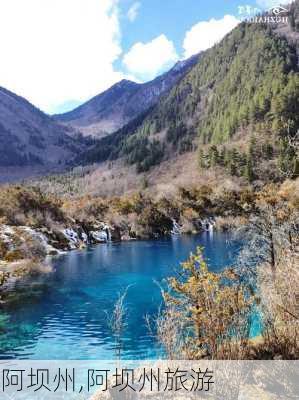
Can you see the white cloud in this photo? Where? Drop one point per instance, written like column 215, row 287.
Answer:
column 55, row 51
column 133, row 11
column 146, row 60
column 205, row 34
column 265, row 4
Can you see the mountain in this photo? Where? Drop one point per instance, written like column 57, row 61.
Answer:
column 123, row 102
column 30, row 138
column 248, row 83
column 33, row 143
column 237, row 103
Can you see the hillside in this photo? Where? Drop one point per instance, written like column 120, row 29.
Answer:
column 246, row 85
column 237, row 104
column 123, row 102
column 30, row 140
column 30, row 137
column 33, row 143
column 208, row 157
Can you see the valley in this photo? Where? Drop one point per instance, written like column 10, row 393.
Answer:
column 202, row 155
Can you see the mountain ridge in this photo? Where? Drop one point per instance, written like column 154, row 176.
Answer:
column 123, row 102
column 33, row 143
column 30, row 137
column 249, row 82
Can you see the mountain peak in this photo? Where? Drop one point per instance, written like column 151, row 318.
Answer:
column 124, row 82
column 184, row 63
column 123, row 85
column 123, row 102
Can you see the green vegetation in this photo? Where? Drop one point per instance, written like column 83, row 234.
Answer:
column 281, row 153
column 239, row 107
column 110, row 147
column 249, row 78
column 143, row 152
column 249, row 82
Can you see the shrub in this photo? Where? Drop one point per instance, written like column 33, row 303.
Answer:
column 14, row 255
column 20, row 205
column 212, row 309
column 86, row 209
column 155, row 221
column 3, row 249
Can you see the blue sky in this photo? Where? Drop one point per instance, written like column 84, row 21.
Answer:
column 172, row 17
column 60, row 53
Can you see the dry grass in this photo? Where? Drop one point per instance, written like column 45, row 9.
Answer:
column 230, row 223
column 280, row 304
column 115, row 178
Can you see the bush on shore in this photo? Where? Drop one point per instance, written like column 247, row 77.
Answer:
column 208, row 315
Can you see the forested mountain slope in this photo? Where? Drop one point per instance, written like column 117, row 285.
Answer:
column 247, row 83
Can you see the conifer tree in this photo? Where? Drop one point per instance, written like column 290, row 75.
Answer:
column 222, row 156
column 248, row 169
column 234, row 161
column 252, row 147
column 267, row 151
column 213, row 156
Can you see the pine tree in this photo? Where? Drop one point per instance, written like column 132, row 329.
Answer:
column 227, row 158
column 248, row 169
column 268, row 151
column 234, row 162
column 213, row 156
column 222, row 156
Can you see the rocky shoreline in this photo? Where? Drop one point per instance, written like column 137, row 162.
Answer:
column 27, row 251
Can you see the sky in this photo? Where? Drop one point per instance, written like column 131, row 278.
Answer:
column 59, row 53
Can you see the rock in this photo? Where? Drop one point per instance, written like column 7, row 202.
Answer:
column 82, row 246
column 84, row 237
column 116, row 234
column 126, row 238
column 99, row 236
column 53, row 252
column 278, row 357
column 176, row 228
column 72, row 237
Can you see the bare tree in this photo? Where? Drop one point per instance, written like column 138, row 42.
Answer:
column 288, row 170
column 271, row 259
column 118, row 321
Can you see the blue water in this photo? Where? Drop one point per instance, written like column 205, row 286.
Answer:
column 64, row 316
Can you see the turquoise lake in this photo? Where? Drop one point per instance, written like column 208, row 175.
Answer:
column 64, row 315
